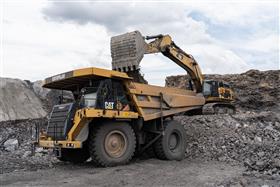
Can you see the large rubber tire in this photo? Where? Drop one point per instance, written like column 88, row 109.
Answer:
column 118, row 135
column 74, row 155
column 172, row 145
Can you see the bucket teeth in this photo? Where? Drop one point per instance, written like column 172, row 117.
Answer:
column 127, row 51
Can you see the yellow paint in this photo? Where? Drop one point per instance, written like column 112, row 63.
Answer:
column 84, row 115
column 85, row 72
column 62, row 144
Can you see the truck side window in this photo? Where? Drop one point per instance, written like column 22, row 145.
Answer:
column 88, row 95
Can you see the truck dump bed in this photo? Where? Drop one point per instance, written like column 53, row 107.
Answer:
column 154, row 101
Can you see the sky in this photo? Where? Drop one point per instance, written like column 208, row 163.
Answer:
column 43, row 38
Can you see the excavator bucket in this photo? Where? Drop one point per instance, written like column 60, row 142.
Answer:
column 127, row 51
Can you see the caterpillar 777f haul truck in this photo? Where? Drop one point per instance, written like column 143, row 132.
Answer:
column 113, row 117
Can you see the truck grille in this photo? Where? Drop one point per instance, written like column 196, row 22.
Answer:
column 60, row 121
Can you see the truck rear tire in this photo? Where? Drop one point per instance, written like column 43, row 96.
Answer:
column 111, row 143
column 172, row 145
column 74, row 155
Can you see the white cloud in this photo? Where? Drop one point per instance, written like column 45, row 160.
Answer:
column 46, row 38
column 266, row 43
column 240, row 13
column 214, row 59
column 35, row 48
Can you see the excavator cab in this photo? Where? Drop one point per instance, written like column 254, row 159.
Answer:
column 217, row 90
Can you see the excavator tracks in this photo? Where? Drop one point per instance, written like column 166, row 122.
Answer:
column 218, row 108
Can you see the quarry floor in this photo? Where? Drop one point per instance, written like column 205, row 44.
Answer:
column 147, row 172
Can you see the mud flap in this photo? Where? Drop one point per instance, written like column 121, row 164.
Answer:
column 57, row 151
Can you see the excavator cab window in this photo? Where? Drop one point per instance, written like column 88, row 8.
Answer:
column 226, row 85
column 214, row 89
column 221, row 84
column 210, row 88
column 206, row 89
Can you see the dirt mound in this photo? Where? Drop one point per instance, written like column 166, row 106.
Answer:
column 27, row 100
column 255, row 90
column 18, row 101
column 49, row 97
column 22, row 132
column 250, row 138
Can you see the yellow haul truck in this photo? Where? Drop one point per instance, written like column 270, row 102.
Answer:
column 113, row 116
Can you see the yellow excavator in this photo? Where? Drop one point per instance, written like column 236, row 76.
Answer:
column 127, row 51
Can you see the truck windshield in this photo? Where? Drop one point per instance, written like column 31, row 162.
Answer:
column 89, row 96
column 90, row 99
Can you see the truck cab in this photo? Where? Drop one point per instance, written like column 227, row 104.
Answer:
column 104, row 94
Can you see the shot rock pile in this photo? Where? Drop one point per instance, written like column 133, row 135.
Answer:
column 250, row 138
column 16, row 152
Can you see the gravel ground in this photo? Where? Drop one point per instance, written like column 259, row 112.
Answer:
column 223, row 150
column 151, row 172
column 249, row 138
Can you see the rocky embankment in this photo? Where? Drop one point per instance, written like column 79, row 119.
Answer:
column 19, row 101
column 254, row 90
column 22, row 99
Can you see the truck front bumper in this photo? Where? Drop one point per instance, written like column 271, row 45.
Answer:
column 60, row 143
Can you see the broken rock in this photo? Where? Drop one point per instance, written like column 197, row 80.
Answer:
column 11, row 144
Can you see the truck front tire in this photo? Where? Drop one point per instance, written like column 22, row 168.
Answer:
column 111, row 143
